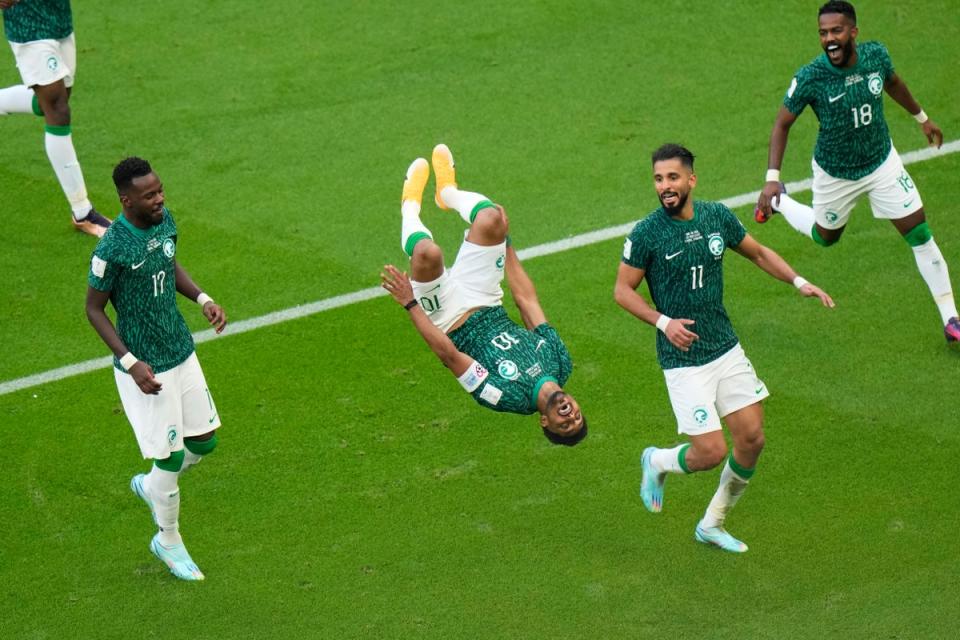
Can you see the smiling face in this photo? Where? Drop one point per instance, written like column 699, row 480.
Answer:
column 562, row 415
column 674, row 181
column 143, row 200
column 838, row 36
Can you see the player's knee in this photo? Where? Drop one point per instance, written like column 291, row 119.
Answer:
column 56, row 110
column 824, row 239
column 919, row 235
column 753, row 443
column 427, row 252
column 173, row 463
column 492, row 222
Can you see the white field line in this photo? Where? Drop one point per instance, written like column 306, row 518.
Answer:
column 301, row 311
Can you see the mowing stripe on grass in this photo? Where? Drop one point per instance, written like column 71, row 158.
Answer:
column 301, row 311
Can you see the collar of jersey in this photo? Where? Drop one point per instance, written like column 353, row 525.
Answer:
column 536, row 388
column 134, row 228
column 841, row 72
column 673, row 220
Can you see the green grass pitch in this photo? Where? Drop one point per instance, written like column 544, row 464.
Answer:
column 357, row 492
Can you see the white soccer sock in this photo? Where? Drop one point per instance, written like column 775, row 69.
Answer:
column 731, row 488
column 933, row 268
column 16, row 99
column 189, row 459
column 162, row 488
column 462, row 201
column 411, row 224
column 668, row 460
column 800, row 216
column 63, row 157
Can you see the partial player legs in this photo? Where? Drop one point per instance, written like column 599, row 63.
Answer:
column 17, row 99
column 933, row 268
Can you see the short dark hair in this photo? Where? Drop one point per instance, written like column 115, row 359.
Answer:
column 839, row 6
column 128, row 169
column 567, row 441
column 670, row 151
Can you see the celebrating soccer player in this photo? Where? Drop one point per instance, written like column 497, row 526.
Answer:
column 679, row 250
column 854, row 155
column 460, row 315
column 161, row 384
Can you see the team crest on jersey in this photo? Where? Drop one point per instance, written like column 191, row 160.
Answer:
column 172, row 435
column 52, row 63
column 715, row 244
column 169, row 248
column 500, row 262
column 875, row 84
column 700, row 415
column 831, row 216
column 508, row 370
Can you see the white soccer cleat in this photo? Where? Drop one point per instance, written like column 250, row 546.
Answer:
column 177, row 559
column 718, row 537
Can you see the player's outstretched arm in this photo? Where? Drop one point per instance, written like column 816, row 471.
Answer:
column 398, row 286
column 213, row 312
column 897, row 89
column 523, row 291
column 771, row 262
column 625, row 293
column 778, row 146
column 141, row 371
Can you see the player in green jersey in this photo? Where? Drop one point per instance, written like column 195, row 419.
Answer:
column 161, row 384
column 460, row 315
column 40, row 33
column 854, row 155
column 678, row 249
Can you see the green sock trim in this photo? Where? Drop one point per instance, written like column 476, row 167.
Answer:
column 483, row 204
column 815, row 234
column 35, row 105
column 919, row 235
column 743, row 472
column 682, row 458
column 171, row 464
column 200, row 447
column 508, row 241
column 413, row 240
column 57, row 130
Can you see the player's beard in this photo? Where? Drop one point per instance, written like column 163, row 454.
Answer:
column 681, row 202
column 846, row 53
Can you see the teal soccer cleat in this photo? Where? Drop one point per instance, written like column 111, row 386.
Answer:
column 136, row 485
column 718, row 537
column 651, row 484
column 177, row 558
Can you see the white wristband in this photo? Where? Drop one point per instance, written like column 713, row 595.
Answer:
column 203, row 299
column 128, row 360
column 663, row 321
column 773, row 175
column 799, row 281
column 921, row 117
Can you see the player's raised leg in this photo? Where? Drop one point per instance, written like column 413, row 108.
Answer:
column 426, row 258
column 656, row 464
column 933, row 269
column 18, row 99
column 448, row 196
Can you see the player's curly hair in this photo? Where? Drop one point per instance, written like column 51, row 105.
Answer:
column 670, row 151
column 128, row 169
column 567, row 441
column 839, row 6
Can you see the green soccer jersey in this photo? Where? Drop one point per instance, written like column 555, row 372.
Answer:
column 683, row 264
column 853, row 138
column 518, row 361
column 30, row 20
column 137, row 267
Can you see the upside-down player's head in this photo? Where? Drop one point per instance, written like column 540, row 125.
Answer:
column 562, row 421
column 140, row 190
column 838, row 31
column 673, row 176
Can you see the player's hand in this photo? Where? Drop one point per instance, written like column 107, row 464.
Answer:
column 215, row 314
column 769, row 195
column 143, row 375
column 933, row 133
column 678, row 334
column 813, row 291
column 397, row 284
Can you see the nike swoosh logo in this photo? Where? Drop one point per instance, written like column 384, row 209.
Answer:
column 215, row 417
column 758, row 390
column 138, row 265
column 833, row 99
column 540, row 344
column 907, row 204
column 434, row 289
column 671, row 256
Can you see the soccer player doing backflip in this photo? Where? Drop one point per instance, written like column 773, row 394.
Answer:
column 459, row 311
column 854, row 154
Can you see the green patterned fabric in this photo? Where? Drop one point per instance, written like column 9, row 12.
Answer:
column 683, row 264
column 30, row 20
column 853, row 138
column 519, row 361
column 137, row 267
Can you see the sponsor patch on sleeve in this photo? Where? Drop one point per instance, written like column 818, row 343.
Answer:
column 793, row 87
column 627, row 248
column 98, row 267
column 491, row 394
column 473, row 377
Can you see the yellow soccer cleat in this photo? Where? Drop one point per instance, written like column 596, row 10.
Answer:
column 416, row 181
column 443, row 172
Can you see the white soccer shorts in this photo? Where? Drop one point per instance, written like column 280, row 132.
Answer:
column 473, row 281
column 43, row 62
column 890, row 189
column 183, row 408
column 702, row 395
